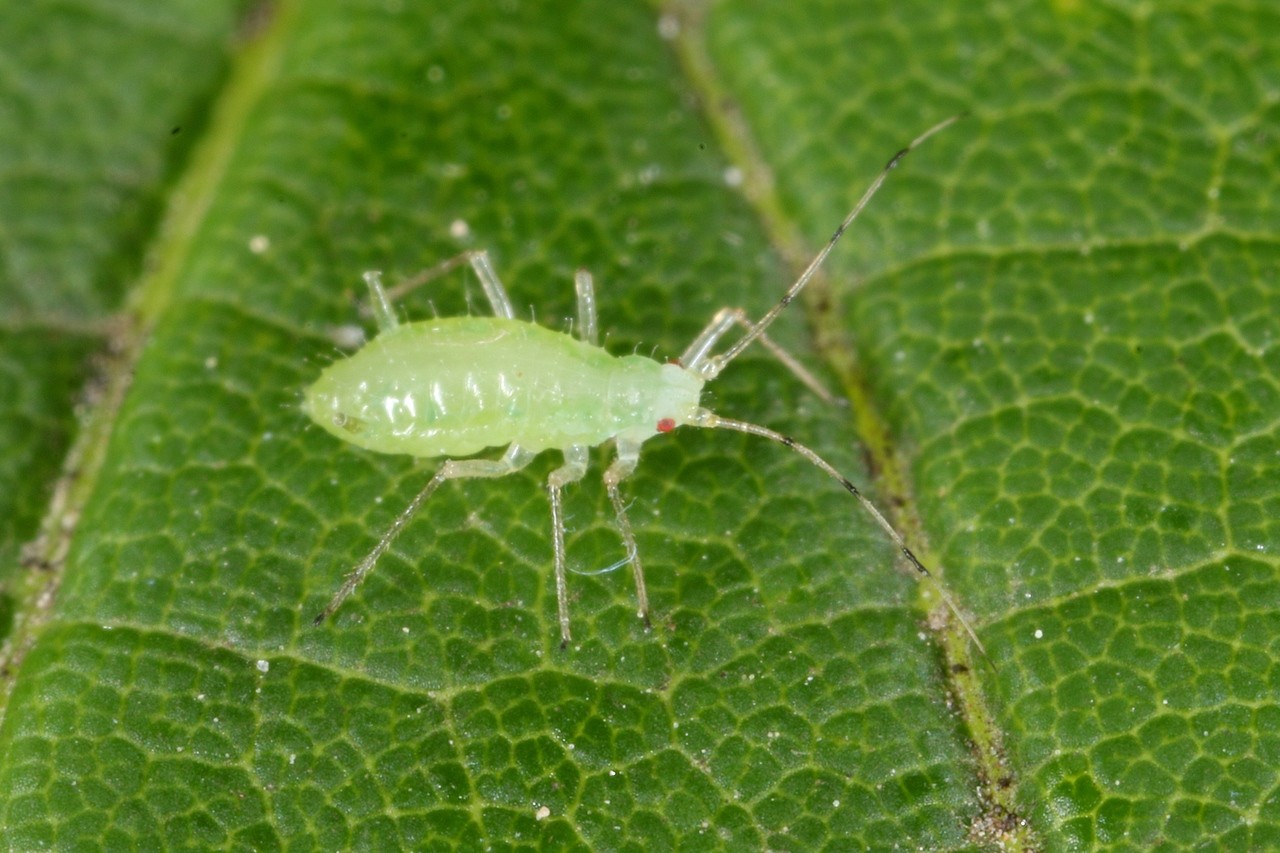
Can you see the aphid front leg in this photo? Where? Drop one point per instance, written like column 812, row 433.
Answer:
column 513, row 460
column 697, row 356
column 573, row 469
column 624, row 464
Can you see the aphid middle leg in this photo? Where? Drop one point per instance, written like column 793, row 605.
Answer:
column 493, row 289
column 624, row 464
column 455, row 469
column 697, row 356
column 573, row 469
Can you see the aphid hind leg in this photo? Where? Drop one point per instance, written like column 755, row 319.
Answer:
column 380, row 303
column 585, row 288
column 381, row 300
column 697, row 356
column 624, row 464
column 479, row 260
column 455, row 469
column 573, row 470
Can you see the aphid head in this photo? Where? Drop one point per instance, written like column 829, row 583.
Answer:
column 677, row 400
column 651, row 398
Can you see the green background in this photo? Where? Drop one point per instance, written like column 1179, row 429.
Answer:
column 1056, row 326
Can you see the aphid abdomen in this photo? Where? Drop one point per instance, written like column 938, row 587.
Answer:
column 453, row 387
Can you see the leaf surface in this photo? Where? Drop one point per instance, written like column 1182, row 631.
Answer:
column 1055, row 325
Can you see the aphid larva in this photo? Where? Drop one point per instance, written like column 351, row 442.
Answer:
column 455, row 386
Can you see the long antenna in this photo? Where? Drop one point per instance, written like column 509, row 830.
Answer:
column 711, row 420
column 713, row 365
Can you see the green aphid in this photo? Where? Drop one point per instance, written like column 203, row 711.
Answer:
column 456, row 386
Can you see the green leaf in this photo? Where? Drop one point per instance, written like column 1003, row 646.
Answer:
column 1055, row 325
column 90, row 133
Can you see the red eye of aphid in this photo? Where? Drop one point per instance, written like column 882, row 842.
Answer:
column 666, row 424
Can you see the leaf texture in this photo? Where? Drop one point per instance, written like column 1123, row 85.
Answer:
column 1055, row 325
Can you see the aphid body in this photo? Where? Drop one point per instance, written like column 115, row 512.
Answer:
column 455, row 386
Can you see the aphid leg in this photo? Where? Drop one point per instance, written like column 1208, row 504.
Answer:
column 513, row 460
column 710, row 419
column 573, row 469
column 586, row 290
column 696, row 356
column 479, row 260
column 576, row 457
column 624, row 464
column 418, row 279
column 379, row 302
column 493, row 289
